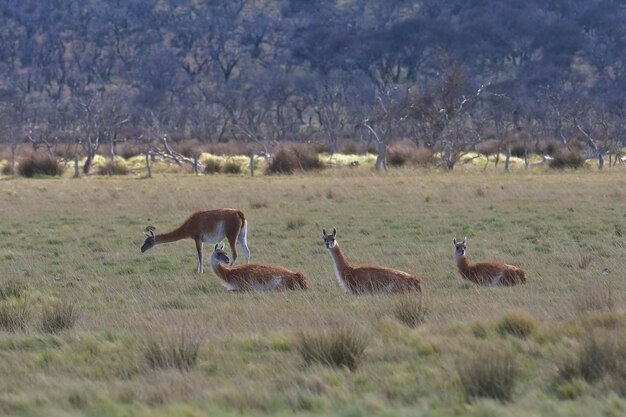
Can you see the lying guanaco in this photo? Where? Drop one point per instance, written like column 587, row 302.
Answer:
column 255, row 277
column 367, row 278
column 486, row 273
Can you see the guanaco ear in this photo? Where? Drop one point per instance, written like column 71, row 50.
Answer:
column 215, row 247
column 334, row 232
column 454, row 241
column 465, row 240
column 149, row 231
column 222, row 246
column 324, row 232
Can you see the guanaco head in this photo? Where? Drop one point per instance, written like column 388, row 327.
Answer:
column 329, row 240
column 150, row 240
column 459, row 248
column 219, row 255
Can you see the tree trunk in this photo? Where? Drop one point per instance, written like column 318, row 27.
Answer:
column 148, row 169
column 381, row 158
column 600, row 160
column 76, row 165
column 13, row 151
column 112, row 156
column 89, row 160
column 195, row 164
column 507, row 158
column 252, row 163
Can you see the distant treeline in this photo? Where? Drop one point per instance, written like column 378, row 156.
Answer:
column 444, row 74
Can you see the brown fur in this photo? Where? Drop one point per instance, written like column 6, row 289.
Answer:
column 206, row 223
column 486, row 273
column 249, row 277
column 362, row 279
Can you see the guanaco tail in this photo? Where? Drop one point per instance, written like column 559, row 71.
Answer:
column 486, row 273
column 367, row 278
column 206, row 226
column 254, row 277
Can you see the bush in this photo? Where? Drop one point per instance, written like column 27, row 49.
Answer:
column 37, row 165
column 178, row 352
column 409, row 155
column 490, row 373
column 212, row 166
column 566, row 159
column 343, row 347
column 6, row 170
column 307, row 158
column 410, row 310
column 516, row 324
column 128, row 151
column 109, row 169
column 58, row 316
column 14, row 315
column 231, row 167
column 283, row 162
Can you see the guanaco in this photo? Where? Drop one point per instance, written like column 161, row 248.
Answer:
column 254, row 277
column 367, row 278
column 486, row 273
column 206, row 226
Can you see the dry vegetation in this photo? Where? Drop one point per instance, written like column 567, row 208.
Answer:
column 90, row 326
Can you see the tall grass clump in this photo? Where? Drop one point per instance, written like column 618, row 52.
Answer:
column 180, row 352
column 108, row 168
column 490, row 373
column 410, row 155
column 14, row 315
column 410, row 310
column 36, row 165
column 594, row 297
column 231, row 167
column 12, row 289
column 341, row 347
column 212, row 166
column 58, row 316
column 517, row 324
column 602, row 353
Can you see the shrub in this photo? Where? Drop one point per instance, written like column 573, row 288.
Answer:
column 212, row 166
column 14, row 315
column 490, row 373
column 231, row 167
column 307, row 158
column 349, row 148
column 283, row 162
column 6, row 170
column 178, row 352
column 410, row 310
column 109, row 169
column 128, row 151
column 342, row 347
column 58, row 316
column 12, row 288
column 409, row 155
column 516, row 324
column 566, row 159
column 36, row 165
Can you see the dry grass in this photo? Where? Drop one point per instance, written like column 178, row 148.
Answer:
column 58, row 316
column 491, row 372
column 341, row 347
column 78, row 241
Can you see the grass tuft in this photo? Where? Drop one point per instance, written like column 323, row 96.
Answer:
column 516, row 324
column 180, row 352
column 14, row 315
column 410, row 310
column 37, row 165
column 212, row 166
column 342, row 347
column 58, row 316
column 12, row 289
column 490, row 373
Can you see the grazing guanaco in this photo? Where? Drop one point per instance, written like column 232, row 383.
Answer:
column 367, row 278
column 255, row 277
column 206, row 226
column 486, row 273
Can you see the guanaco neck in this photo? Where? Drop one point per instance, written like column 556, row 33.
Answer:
column 172, row 236
column 463, row 264
column 341, row 263
column 219, row 269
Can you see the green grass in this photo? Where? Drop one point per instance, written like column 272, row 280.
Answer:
column 78, row 241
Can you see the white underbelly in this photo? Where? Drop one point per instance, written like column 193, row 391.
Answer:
column 216, row 236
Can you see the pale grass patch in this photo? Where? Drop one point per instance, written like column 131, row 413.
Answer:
column 178, row 351
column 57, row 316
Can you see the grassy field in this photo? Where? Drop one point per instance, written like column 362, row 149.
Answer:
column 74, row 245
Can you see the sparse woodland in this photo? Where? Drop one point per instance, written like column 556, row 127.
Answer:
column 82, row 79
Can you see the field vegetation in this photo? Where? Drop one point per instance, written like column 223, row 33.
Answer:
column 90, row 326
